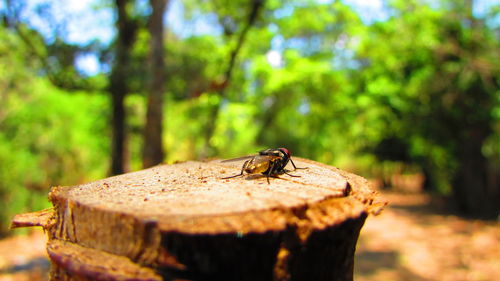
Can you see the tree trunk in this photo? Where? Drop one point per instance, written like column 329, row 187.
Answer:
column 473, row 192
column 118, row 127
column 118, row 86
column 153, row 153
column 183, row 222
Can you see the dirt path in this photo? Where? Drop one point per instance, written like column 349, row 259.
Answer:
column 23, row 258
column 410, row 240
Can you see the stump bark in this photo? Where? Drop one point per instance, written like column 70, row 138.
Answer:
column 183, row 222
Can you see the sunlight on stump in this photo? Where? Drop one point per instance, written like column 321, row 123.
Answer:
column 183, row 222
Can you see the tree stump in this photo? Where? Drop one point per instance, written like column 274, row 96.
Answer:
column 183, row 222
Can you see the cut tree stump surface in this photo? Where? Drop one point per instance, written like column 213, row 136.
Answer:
column 185, row 221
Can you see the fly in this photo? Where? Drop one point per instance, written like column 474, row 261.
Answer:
column 269, row 162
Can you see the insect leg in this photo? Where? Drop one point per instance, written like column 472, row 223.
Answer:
column 284, row 171
column 271, row 171
column 295, row 167
column 242, row 169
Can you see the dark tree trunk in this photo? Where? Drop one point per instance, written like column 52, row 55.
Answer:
column 118, row 127
column 474, row 194
column 153, row 145
column 118, row 87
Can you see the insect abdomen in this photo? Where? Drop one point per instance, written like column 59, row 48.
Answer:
column 258, row 168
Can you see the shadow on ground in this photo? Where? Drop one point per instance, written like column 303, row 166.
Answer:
column 36, row 264
column 370, row 264
column 417, row 237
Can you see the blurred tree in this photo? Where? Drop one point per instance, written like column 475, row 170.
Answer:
column 469, row 82
column 231, row 16
column 56, row 54
column 127, row 26
column 303, row 97
column 47, row 135
column 419, row 87
column 153, row 153
column 439, row 93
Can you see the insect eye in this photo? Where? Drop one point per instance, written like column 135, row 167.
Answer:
column 285, row 151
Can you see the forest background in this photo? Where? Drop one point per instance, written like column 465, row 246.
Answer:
column 412, row 87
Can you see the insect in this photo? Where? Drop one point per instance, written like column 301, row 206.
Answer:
column 270, row 162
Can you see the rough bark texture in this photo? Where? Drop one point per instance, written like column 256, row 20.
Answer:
column 183, row 222
column 74, row 262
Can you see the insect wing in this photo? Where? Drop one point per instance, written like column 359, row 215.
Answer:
column 238, row 158
column 261, row 163
column 264, row 159
column 267, row 152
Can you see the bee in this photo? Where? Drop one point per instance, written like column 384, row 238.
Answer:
column 269, row 162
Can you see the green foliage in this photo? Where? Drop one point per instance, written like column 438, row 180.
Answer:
column 47, row 136
column 343, row 88
column 437, row 89
column 193, row 64
column 415, row 90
